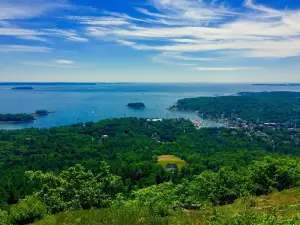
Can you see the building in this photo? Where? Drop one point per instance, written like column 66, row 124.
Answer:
column 171, row 167
column 196, row 123
column 272, row 125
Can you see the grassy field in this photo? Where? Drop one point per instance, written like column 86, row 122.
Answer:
column 170, row 159
column 282, row 208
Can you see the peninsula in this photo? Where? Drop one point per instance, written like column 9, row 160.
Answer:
column 136, row 105
column 261, row 108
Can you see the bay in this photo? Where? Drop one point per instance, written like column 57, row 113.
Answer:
column 79, row 103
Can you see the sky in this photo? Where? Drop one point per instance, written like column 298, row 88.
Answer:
column 150, row 40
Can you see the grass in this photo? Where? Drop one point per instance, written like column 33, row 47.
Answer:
column 164, row 160
column 280, row 208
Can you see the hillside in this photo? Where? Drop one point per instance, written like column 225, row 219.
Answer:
column 117, row 168
column 277, row 208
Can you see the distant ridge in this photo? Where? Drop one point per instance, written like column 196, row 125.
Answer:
column 44, row 83
column 58, row 83
column 288, row 84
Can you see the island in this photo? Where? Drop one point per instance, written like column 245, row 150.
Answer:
column 42, row 113
column 136, row 105
column 22, row 117
column 22, row 88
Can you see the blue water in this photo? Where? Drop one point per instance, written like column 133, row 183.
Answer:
column 74, row 103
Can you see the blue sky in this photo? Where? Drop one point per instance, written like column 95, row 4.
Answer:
column 150, row 40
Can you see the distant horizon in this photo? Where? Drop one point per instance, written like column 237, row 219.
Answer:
column 139, row 82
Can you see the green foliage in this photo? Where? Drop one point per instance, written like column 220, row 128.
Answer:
column 248, row 106
column 223, row 187
column 131, row 149
column 75, row 189
column 158, row 198
column 222, row 165
column 273, row 174
column 27, row 211
column 4, row 218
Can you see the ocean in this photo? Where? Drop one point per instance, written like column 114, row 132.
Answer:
column 79, row 103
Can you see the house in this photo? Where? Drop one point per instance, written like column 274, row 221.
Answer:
column 272, row 125
column 171, row 167
column 196, row 123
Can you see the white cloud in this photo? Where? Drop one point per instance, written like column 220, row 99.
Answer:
column 199, row 26
column 225, row 68
column 13, row 12
column 61, row 63
column 23, row 48
column 21, row 9
column 70, row 35
column 99, row 21
column 126, row 43
column 180, row 57
column 64, row 62
column 41, row 35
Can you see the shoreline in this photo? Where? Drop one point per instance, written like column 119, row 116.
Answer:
column 17, row 122
column 216, row 121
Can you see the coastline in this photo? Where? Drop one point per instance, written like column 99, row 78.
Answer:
column 218, row 123
column 16, row 122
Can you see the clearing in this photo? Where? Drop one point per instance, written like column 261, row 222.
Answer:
column 170, row 159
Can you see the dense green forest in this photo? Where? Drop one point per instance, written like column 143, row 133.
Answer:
column 262, row 107
column 113, row 163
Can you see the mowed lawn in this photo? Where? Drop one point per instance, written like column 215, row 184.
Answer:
column 170, row 159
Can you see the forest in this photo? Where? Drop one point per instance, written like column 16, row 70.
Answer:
column 261, row 107
column 113, row 163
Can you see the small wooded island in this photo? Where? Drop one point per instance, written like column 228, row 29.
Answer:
column 22, row 88
column 136, row 105
column 23, row 117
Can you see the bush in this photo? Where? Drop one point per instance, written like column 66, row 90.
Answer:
column 157, row 198
column 27, row 211
column 76, row 189
column 4, row 218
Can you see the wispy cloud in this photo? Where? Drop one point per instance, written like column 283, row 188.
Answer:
column 23, row 48
column 43, row 35
column 64, row 62
column 225, row 68
column 189, row 26
column 179, row 56
column 61, row 63
column 14, row 11
column 98, row 21
column 20, row 9
column 70, row 35
column 189, row 33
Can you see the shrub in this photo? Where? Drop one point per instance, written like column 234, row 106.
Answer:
column 27, row 211
column 4, row 218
